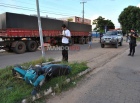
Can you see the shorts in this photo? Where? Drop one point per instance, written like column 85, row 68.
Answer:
column 90, row 43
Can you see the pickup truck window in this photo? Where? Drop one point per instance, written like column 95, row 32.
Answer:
column 108, row 33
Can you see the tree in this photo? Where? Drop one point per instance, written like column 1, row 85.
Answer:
column 130, row 18
column 100, row 23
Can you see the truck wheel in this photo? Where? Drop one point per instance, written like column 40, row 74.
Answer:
column 71, row 41
column 31, row 46
column 82, row 40
column 75, row 40
column 20, row 47
column 102, row 45
column 79, row 40
column 87, row 40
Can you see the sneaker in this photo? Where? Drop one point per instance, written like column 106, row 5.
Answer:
column 132, row 55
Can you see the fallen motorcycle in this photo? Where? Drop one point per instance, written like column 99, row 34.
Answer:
column 38, row 74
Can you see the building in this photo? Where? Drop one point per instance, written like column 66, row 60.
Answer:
column 77, row 20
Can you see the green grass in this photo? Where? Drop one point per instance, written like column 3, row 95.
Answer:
column 50, row 59
column 13, row 90
column 138, row 39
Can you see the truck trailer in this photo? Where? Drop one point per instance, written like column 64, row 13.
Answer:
column 20, row 33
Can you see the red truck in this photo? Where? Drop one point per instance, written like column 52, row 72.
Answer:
column 20, row 32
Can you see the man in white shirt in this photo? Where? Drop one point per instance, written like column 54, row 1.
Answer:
column 66, row 35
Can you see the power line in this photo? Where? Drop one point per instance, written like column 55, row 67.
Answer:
column 64, row 6
column 31, row 9
column 50, row 7
column 26, row 8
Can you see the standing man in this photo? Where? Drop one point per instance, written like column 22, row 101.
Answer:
column 101, row 35
column 66, row 35
column 132, row 42
column 90, row 40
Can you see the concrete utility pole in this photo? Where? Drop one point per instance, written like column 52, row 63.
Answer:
column 40, row 29
column 83, row 10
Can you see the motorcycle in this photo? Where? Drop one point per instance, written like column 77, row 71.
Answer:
column 38, row 74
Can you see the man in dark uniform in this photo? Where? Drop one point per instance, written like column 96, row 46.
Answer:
column 132, row 42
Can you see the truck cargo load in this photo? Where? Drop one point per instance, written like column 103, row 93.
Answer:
column 20, row 32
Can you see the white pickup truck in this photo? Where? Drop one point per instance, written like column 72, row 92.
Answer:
column 114, row 37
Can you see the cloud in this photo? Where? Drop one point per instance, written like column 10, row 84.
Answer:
column 138, row 5
column 92, row 18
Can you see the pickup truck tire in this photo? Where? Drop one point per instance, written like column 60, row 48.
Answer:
column 31, row 46
column 121, row 42
column 20, row 47
column 116, row 45
column 102, row 45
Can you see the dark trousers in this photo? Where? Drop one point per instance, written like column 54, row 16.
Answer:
column 65, row 48
column 132, row 48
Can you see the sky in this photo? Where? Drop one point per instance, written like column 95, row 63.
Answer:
column 109, row 9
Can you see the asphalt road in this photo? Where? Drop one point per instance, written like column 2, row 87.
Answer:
column 8, row 59
column 118, row 81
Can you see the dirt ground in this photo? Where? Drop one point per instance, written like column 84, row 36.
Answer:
column 95, row 58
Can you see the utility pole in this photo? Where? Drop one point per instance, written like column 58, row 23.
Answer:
column 83, row 9
column 40, row 30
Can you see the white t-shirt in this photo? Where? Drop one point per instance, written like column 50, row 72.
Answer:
column 67, row 33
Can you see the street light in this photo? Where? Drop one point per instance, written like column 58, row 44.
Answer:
column 83, row 10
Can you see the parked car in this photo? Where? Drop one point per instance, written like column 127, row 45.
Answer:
column 114, row 37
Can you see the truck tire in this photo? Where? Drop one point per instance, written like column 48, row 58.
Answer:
column 75, row 40
column 31, row 46
column 20, row 47
column 87, row 40
column 102, row 45
column 82, row 40
column 71, row 41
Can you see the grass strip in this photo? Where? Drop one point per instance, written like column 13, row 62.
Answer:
column 13, row 90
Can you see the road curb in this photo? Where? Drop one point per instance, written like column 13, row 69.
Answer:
column 51, row 90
